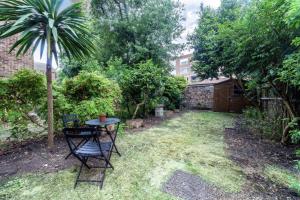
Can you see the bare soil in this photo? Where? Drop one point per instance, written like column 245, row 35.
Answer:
column 35, row 157
column 252, row 154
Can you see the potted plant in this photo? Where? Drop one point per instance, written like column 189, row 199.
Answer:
column 102, row 117
column 104, row 108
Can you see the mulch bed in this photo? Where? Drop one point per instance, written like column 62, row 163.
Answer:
column 35, row 157
column 252, row 153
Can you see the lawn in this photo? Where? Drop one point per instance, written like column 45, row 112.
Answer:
column 193, row 143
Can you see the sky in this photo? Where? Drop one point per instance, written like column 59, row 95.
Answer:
column 191, row 8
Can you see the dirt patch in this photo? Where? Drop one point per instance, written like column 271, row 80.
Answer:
column 35, row 157
column 253, row 154
column 152, row 121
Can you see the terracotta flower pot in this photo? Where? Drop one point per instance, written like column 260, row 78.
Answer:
column 102, row 118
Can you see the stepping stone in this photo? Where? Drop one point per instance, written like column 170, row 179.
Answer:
column 191, row 187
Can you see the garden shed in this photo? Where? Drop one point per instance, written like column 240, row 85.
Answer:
column 219, row 95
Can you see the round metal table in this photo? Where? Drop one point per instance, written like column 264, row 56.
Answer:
column 111, row 133
column 96, row 122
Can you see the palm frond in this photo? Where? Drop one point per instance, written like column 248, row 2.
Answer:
column 34, row 20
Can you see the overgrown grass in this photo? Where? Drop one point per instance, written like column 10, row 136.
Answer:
column 193, row 143
column 283, row 177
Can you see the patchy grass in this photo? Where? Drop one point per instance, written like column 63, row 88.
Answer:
column 193, row 143
column 283, row 177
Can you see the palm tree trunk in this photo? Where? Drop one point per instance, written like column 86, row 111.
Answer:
column 49, row 95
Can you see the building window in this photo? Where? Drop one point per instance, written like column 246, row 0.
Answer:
column 184, row 61
column 184, row 70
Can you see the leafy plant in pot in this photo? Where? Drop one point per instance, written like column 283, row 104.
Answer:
column 102, row 117
column 105, row 107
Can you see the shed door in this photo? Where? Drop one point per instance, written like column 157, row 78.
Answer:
column 221, row 98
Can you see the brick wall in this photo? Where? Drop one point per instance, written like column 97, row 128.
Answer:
column 9, row 63
column 199, row 96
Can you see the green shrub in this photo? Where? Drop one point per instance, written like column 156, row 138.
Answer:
column 142, row 85
column 173, row 92
column 89, row 85
column 88, row 95
column 295, row 135
column 71, row 68
column 20, row 94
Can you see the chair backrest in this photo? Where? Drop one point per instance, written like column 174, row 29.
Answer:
column 71, row 134
column 85, row 134
column 70, row 121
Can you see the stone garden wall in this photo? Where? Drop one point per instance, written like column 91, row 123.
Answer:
column 199, row 96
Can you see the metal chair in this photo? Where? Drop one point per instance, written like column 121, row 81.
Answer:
column 72, row 121
column 91, row 148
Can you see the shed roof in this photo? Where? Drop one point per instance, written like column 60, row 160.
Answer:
column 211, row 81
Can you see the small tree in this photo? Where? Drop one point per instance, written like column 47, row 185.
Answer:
column 45, row 23
column 142, row 85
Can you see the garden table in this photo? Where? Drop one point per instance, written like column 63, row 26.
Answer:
column 111, row 133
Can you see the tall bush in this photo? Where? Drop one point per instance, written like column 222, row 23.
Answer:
column 87, row 95
column 20, row 94
column 142, row 86
column 174, row 91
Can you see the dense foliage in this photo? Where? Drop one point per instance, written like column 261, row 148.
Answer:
column 130, row 34
column 88, row 95
column 46, row 25
column 21, row 94
column 136, row 30
column 72, row 67
column 172, row 96
column 256, row 42
column 142, row 86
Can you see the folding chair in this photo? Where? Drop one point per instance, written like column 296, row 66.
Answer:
column 113, row 135
column 91, row 148
column 72, row 121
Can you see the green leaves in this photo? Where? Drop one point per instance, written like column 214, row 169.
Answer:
column 293, row 15
column 290, row 72
column 19, row 95
column 88, row 95
column 37, row 19
column 51, row 23
column 143, row 29
column 249, row 41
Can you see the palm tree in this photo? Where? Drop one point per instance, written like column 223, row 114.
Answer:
column 44, row 24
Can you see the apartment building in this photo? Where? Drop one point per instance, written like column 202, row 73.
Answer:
column 183, row 67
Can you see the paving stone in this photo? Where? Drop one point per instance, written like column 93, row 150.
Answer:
column 191, row 187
